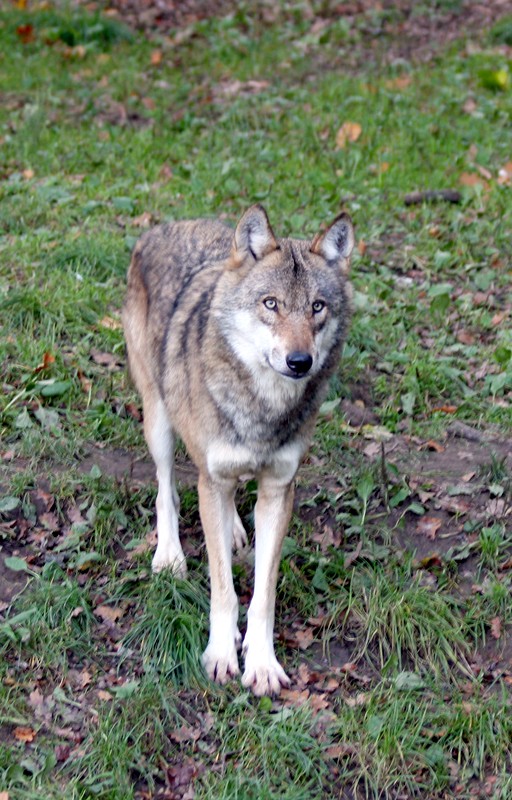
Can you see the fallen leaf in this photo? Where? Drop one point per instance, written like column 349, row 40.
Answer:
column 360, row 699
column 464, row 337
column 111, row 323
column 25, row 734
column 432, row 445
column 105, row 359
column 455, row 505
column 103, row 695
column 318, row 702
column 428, row 526
column 185, row 734
column 496, row 627
column 471, row 179
column 108, row 613
column 361, row 246
column 447, row 409
column 349, row 132
column 505, row 174
column 484, row 172
column 143, row 221
column 430, row 562
column 294, row 697
column 304, row 638
column 468, row 476
column 470, row 106
column 156, row 57
column 62, row 752
column 25, row 33
column 235, row 87
column 49, row 521
column 400, row 82
column 340, row 750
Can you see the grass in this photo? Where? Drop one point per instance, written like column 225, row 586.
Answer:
column 394, row 607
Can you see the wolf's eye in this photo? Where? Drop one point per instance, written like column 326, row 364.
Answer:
column 270, row 303
column 318, row 306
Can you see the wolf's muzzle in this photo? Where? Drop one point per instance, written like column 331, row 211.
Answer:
column 299, row 363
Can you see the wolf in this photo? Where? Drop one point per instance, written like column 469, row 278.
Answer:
column 232, row 336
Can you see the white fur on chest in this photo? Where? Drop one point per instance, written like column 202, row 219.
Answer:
column 226, row 461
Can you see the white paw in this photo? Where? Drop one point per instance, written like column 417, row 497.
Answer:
column 264, row 676
column 174, row 561
column 220, row 666
column 240, row 539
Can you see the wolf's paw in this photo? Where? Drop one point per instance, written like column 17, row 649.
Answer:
column 240, row 539
column 264, row 676
column 175, row 562
column 220, row 666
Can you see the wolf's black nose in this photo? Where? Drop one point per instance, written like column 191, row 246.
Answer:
column 299, row 363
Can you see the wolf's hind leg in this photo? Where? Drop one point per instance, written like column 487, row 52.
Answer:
column 240, row 539
column 160, row 439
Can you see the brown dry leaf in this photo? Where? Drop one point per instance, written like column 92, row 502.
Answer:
column 433, row 561
column 349, row 132
column 340, row 750
column 104, row 359
column 304, row 638
column 294, row 697
column 185, row 734
column 505, row 174
column 25, row 33
column 85, row 383
column 401, row 82
column 318, row 702
column 428, row 526
column 24, row 734
column 49, row 521
column 108, row 614
column 464, row 337
column 165, row 172
column 235, row 87
column 156, row 58
column 361, row 246
column 496, row 627
column 103, row 695
column 360, row 699
column 484, row 172
column 305, row 674
column 471, row 179
column 111, row 323
column 143, row 221
column 499, row 318
column 48, row 359
column 470, row 106
column 455, row 505
column 28, row 174
column 331, row 685
column 62, row 752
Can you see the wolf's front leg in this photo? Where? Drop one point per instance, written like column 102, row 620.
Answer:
column 263, row 673
column 217, row 510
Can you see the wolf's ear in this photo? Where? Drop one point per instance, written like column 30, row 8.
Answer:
column 253, row 233
column 337, row 241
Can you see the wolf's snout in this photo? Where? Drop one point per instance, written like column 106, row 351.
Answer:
column 299, row 363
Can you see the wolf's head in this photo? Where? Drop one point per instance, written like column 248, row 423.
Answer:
column 288, row 299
